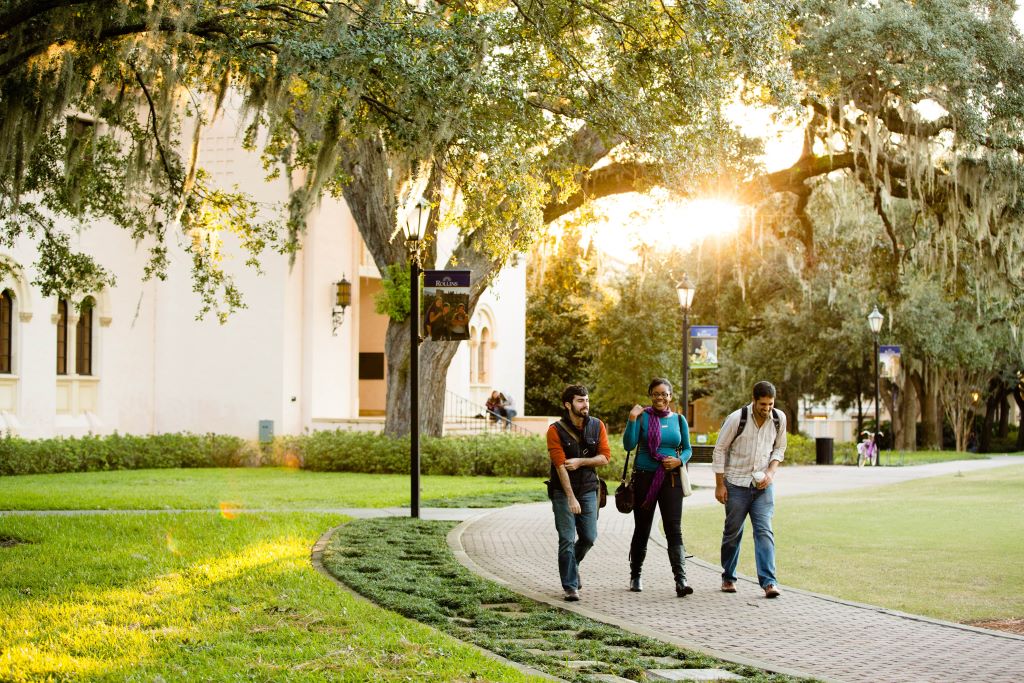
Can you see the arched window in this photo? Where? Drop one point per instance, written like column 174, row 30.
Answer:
column 483, row 358
column 6, row 331
column 62, row 337
column 83, row 338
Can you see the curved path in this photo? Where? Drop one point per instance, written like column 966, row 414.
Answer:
column 800, row 633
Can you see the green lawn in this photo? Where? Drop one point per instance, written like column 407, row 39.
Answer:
column 846, row 454
column 196, row 596
column 251, row 488
column 948, row 547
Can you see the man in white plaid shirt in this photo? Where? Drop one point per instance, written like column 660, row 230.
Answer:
column 751, row 444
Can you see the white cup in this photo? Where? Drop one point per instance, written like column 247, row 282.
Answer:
column 758, row 477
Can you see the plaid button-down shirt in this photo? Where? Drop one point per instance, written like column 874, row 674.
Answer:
column 739, row 456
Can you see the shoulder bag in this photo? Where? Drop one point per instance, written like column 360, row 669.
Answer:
column 624, row 492
column 684, row 475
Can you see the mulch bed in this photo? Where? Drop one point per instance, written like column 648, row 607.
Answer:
column 1010, row 625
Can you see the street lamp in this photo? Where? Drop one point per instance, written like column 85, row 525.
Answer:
column 686, row 290
column 413, row 231
column 875, row 321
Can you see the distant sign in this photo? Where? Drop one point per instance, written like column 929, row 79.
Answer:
column 703, row 347
column 446, row 305
column 889, row 361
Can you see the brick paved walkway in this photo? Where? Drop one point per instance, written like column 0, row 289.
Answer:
column 800, row 633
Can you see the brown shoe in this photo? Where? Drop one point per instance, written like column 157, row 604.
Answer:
column 771, row 592
column 728, row 587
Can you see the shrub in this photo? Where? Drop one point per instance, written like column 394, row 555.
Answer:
column 497, row 455
column 123, row 452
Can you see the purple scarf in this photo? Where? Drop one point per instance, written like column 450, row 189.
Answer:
column 653, row 442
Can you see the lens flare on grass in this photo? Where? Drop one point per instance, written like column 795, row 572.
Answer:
column 172, row 545
column 228, row 510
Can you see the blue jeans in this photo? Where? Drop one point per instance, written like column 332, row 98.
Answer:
column 576, row 534
column 760, row 505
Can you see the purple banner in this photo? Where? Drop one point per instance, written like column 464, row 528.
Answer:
column 446, row 305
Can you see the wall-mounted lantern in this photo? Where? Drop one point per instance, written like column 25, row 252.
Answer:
column 342, row 300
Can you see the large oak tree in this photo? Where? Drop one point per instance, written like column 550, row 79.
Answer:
column 505, row 114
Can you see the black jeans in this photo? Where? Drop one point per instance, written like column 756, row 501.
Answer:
column 669, row 501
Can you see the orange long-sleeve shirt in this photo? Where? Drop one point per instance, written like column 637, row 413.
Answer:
column 557, row 455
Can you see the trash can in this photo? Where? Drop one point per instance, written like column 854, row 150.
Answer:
column 823, row 450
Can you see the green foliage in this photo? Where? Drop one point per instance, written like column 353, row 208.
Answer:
column 562, row 298
column 123, row 452
column 638, row 337
column 501, row 99
column 496, row 455
column 393, row 298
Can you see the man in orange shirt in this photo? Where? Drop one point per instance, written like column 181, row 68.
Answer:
column 577, row 444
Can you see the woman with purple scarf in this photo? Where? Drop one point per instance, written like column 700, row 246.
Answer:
column 662, row 440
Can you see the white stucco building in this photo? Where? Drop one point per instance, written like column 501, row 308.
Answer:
column 139, row 362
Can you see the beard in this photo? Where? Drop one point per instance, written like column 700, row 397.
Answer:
column 581, row 414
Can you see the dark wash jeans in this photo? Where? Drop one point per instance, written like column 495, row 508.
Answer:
column 669, row 502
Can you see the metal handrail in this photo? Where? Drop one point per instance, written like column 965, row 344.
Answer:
column 473, row 417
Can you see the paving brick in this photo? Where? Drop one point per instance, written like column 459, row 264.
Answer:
column 691, row 675
column 798, row 633
column 562, row 654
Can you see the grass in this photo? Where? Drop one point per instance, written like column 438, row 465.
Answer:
column 846, row 454
column 195, row 596
column 405, row 565
column 251, row 488
column 947, row 547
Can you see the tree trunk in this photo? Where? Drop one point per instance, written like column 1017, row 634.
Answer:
column 1004, row 413
column 957, row 386
column 1018, row 398
column 917, row 381
column 931, row 409
column 435, row 357
column 377, row 178
column 988, row 423
column 906, row 435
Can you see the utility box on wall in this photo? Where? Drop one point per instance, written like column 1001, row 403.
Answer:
column 266, row 431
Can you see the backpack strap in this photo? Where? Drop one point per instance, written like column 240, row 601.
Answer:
column 739, row 429
column 679, row 448
column 776, row 420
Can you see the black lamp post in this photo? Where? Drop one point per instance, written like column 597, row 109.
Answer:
column 413, row 242
column 686, row 290
column 875, row 321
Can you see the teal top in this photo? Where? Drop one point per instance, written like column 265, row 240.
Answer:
column 636, row 432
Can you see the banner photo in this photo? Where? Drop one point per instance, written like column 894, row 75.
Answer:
column 703, row 347
column 889, row 361
column 445, row 304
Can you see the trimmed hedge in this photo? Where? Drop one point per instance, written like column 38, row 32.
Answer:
column 339, row 451
column 124, row 452
column 489, row 455
column 799, row 449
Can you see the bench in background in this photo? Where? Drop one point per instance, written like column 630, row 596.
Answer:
column 702, row 453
